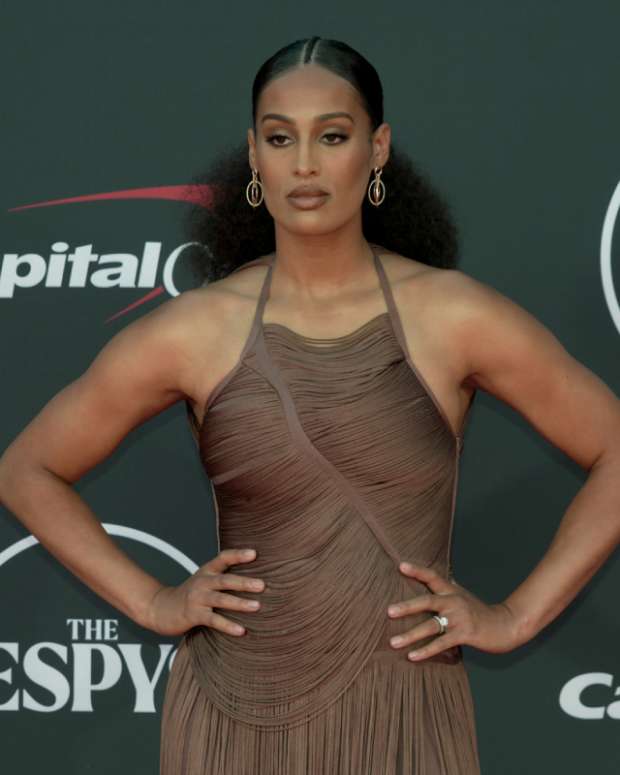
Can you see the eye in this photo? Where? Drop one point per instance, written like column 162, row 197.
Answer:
column 335, row 134
column 271, row 138
column 275, row 137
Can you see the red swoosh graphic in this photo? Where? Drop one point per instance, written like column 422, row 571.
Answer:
column 147, row 297
column 194, row 193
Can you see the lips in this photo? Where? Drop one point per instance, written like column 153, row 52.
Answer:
column 307, row 191
column 307, row 202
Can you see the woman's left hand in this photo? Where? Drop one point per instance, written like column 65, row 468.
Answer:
column 491, row 628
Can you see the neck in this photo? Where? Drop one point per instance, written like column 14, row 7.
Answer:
column 317, row 269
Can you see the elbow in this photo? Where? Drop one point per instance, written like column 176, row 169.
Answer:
column 16, row 469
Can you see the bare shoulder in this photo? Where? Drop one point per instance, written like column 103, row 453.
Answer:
column 201, row 315
column 502, row 348
column 475, row 315
column 413, row 274
column 430, row 300
column 212, row 324
column 446, row 299
column 471, row 318
column 415, row 280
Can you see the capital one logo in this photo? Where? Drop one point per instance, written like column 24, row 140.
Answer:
column 76, row 267
column 573, row 703
column 92, row 661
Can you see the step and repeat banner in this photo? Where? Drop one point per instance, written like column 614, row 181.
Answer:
column 109, row 111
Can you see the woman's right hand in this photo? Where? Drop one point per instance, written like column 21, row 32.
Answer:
column 174, row 610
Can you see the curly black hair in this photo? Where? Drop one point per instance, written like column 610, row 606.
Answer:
column 414, row 220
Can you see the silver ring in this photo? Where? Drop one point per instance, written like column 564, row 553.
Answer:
column 443, row 623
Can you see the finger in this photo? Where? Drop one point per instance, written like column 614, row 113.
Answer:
column 429, row 576
column 219, row 622
column 427, row 629
column 227, row 557
column 235, row 582
column 436, row 646
column 233, row 602
column 424, row 602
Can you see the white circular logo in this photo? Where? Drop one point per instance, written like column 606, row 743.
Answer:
column 89, row 657
column 606, row 257
column 118, row 530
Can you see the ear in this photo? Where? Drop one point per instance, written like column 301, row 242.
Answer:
column 381, row 140
column 251, row 148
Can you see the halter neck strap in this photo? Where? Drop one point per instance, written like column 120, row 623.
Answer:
column 266, row 286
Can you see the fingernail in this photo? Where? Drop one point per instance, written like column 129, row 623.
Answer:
column 406, row 566
column 393, row 609
column 396, row 640
column 248, row 552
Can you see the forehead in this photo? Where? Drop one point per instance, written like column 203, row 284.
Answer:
column 306, row 91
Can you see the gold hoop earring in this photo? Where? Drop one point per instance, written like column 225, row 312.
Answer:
column 252, row 191
column 376, row 189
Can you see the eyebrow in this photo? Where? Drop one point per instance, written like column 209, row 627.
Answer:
column 322, row 117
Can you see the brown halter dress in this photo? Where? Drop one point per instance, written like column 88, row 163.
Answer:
column 335, row 461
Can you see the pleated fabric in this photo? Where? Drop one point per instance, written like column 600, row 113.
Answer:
column 335, row 461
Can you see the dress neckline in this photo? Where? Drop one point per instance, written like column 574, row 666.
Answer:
column 286, row 330
column 256, row 338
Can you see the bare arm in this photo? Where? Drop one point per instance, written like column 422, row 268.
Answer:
column 141, row 371
column 515, row 358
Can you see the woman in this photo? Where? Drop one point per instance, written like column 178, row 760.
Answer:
column 333, row 454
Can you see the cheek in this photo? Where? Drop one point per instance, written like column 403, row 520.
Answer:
column 275, row 187
column 273, row 178
column 349, row 171
column 350, row 183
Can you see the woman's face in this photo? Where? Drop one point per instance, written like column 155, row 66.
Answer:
column 301, row 146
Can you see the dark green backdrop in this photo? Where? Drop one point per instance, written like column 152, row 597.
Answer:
column 513, row 110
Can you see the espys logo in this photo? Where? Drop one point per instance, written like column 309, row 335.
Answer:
column 77, row 267
column 94, row 661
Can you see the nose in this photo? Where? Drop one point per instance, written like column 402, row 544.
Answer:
column 305, row 161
